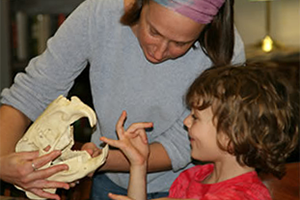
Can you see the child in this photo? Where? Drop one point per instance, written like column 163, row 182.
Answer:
column 242, row 119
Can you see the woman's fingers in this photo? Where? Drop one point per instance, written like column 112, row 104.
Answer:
column 45, row 173
column 92, row 149
column 47, row 184
column 44, row 194
column 43, row 160
column 30, row 155
column 24, row 169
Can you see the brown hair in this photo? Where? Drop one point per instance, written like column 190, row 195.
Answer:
column 217, row 38
column 256, row 107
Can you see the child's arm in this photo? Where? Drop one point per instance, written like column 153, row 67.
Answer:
column 134, row 144
column 121, row 197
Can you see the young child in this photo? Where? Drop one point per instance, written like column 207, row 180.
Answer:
column 243, row 119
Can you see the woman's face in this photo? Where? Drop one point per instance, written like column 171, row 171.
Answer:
column 164, row 34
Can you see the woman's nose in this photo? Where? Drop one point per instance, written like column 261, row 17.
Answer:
column 161, row 50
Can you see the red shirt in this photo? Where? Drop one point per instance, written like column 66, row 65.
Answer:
column 247, row 186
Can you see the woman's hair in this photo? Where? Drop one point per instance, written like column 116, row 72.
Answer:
column 256, row 107
column 217, row 38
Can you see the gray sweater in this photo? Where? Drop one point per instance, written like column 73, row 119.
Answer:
column 121, row 79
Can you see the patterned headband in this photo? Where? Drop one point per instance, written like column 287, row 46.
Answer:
column 201, row 11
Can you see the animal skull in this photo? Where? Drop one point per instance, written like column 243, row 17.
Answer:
column 53, row 128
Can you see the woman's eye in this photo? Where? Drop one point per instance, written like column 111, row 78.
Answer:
column 180, row 44
column 153, row 32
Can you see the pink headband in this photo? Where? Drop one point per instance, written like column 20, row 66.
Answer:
column 201, row 11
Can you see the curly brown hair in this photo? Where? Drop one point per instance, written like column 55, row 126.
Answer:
column 256, row 107
column 217, row 38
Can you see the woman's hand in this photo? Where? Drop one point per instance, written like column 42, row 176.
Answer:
column 21, row 169
column 133, row 142
column 93, row 150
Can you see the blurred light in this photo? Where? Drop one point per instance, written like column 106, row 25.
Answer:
column 267, row 44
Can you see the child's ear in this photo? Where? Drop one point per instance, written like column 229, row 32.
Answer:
column 225, row 142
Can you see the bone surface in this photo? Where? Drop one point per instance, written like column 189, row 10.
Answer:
column 53, row 128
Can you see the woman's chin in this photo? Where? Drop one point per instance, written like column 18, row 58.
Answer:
column 152, row 59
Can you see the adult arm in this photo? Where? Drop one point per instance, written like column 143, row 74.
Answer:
column 169, row 151
column 13, row 122
column 158, row 160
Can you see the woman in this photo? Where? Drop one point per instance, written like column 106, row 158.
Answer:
column 142, row 65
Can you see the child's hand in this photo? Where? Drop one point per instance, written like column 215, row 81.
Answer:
column 133, row 142
column 118, row 197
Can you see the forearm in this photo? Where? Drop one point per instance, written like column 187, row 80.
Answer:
column 138, row 182
column 166, row 198
column 13, row 124
column 158, row 160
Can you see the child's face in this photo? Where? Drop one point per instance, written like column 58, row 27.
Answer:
column 203, row 135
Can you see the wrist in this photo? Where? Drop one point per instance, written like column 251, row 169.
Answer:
column 140, row 166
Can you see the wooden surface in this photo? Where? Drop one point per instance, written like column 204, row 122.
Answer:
column 12, row 198
column 288, row 187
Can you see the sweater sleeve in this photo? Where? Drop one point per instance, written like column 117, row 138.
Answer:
column 176, row 143
column 53, row 72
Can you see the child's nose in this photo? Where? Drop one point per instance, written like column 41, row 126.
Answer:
column 186, row 121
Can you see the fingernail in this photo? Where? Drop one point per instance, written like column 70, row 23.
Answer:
column 57, row 152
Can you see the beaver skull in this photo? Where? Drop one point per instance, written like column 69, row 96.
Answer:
column 53, row 129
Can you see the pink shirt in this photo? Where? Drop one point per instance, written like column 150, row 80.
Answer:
column 247, row 186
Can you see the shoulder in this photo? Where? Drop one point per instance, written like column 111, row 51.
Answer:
column 239, row 49
column 197, row 172
column 245, row 187
column 104, row 6
column 98, row 8
column 99, row 15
